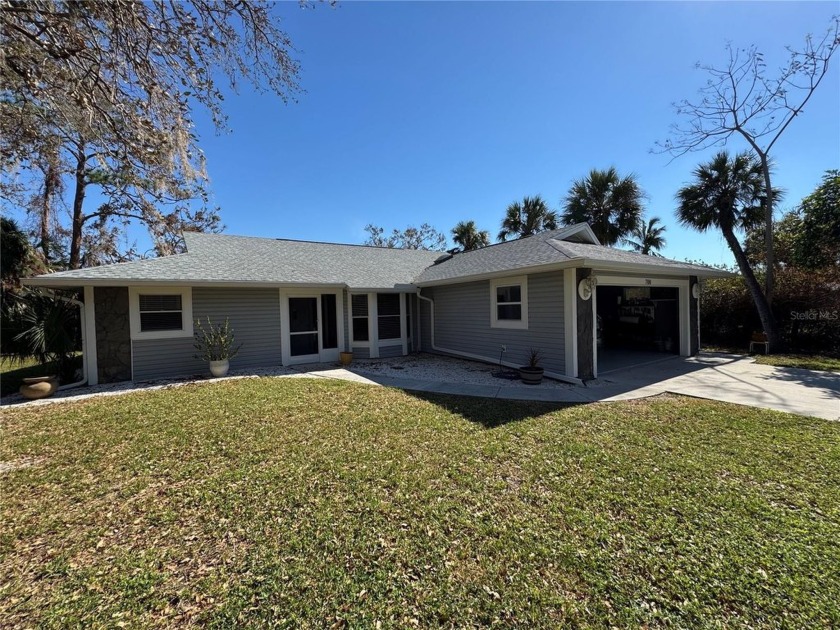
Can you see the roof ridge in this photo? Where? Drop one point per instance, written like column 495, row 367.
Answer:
column 312, row 242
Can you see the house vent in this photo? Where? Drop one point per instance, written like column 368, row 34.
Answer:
column 442, row 258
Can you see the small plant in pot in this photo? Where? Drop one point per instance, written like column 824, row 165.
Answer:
column 532, row 373
column 215, row 344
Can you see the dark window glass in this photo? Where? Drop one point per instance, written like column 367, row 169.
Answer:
column 360, row 329
column 509, row 294
column 329, row 323
column 165, row 320
column 388, row 304
column 360, row 305
column 303, row 314
column 389, row 327
column 160, row 303
column 300, row 345
column 509, row 311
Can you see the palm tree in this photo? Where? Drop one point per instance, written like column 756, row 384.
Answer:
column 649, row 237
column 609, row 203
column 727, row 194
column 469, row 237
column 527, row 218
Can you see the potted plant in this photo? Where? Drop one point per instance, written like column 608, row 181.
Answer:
column 532, row 373
column 346, row 358
column 215, row 344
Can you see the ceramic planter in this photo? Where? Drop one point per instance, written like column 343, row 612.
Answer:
column 346, row 358
column 219, row 368
column 37, row 387
column 531, row 375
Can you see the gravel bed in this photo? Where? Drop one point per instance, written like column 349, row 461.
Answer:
column 429, row 367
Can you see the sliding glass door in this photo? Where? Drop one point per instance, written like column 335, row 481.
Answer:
column 313, row 330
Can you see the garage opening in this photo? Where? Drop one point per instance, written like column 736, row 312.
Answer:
column 636, row 325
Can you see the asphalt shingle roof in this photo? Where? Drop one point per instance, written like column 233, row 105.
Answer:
column 217, row 258
column 545, row 248
column 222, row 259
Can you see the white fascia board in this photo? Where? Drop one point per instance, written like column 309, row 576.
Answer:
column 654, row 270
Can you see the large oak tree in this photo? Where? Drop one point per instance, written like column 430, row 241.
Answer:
column 102, row 95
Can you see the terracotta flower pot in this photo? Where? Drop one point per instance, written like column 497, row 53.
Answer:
column 346, row 358
column 37, row 387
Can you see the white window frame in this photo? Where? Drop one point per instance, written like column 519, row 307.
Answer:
column 495, row 283
column 396, row 341
column 134, row 294
column 353, row 342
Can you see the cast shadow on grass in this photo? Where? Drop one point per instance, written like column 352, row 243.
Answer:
column 490, row 413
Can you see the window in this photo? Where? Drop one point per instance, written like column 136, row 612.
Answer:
column 160, row 313
column 388, row 314
column 509, row 302
column 329, row 322
column 359, row 308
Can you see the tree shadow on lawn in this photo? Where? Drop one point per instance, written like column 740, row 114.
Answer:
column 490, row 412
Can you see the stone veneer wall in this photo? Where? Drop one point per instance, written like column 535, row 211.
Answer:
column 113, row 335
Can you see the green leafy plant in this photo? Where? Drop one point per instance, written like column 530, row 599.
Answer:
column 534, row 358
column 48, row 331
column 215, row 342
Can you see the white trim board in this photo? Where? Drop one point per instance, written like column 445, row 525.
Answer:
column 134, row 312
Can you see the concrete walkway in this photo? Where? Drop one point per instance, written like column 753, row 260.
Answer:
column 724, row 377
column 728, row 378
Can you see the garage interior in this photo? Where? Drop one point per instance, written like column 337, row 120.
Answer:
column 636, row 325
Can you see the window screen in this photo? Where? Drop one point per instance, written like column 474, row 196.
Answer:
column 161, row 312
column 388, row 311
column 509, row 302
column 359, row 308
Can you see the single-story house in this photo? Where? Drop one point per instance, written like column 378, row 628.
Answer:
column 579, row 303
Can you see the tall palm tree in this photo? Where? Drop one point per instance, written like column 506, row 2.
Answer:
column 527, row 218
column 469, row 237
column 648, row 237
column 609, row 203
column 727, row 194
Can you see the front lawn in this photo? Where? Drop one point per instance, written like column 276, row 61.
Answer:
column 318, row 503
column 804, row 361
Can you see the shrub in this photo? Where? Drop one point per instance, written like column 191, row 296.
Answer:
column 806, row 305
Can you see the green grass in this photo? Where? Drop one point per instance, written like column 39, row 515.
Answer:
column 805, row 361
column 315, row 503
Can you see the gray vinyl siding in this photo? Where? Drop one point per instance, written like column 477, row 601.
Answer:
column 462, row 322
column 425, row 323
column 386, row 352
column 164, row 358
column 361, row 353
column 254, row 315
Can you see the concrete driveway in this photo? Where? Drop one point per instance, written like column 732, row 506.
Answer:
column 729, row 378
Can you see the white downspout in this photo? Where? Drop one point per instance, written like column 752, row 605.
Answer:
column 431, row 322
column 82, row 321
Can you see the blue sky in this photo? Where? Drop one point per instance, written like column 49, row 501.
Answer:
column 438, row 112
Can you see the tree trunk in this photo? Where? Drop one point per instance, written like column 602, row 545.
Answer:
column 765, row 312
column 78, row 215
column 769, row 250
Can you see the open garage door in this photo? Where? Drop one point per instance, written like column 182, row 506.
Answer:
column 636, row 325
